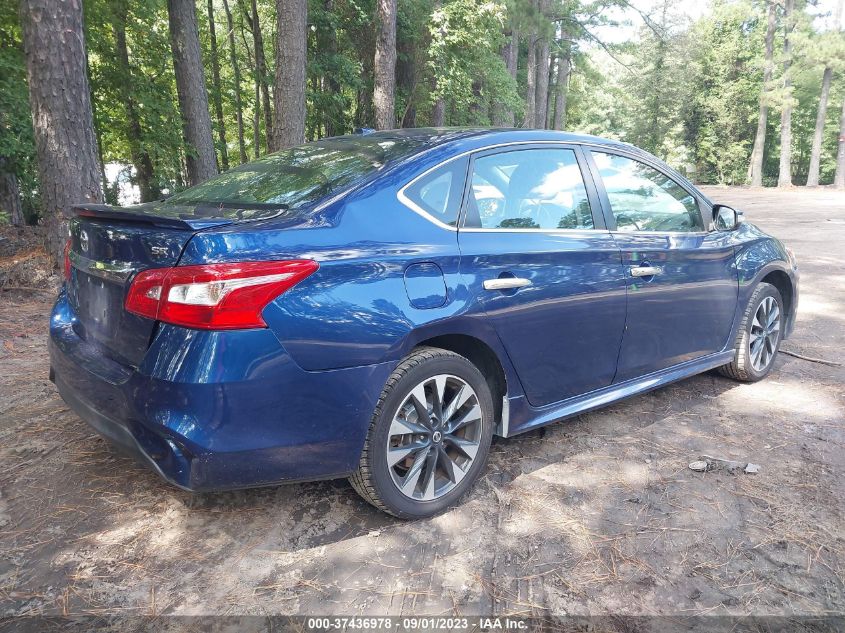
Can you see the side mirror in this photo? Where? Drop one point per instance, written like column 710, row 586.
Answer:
column 726, row 218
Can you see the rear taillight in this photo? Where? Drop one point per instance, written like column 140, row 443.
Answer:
column 214, row 296
column 67, row 260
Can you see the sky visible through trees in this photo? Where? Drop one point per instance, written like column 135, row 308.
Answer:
column 179, row 90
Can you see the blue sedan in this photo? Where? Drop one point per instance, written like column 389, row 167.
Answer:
column 378, row 306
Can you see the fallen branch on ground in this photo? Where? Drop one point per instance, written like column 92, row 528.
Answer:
column 830, row 363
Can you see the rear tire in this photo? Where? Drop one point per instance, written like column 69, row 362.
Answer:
column 759, row 337
column 429, row 438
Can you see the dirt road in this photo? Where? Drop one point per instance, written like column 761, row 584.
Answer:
column 596, row 515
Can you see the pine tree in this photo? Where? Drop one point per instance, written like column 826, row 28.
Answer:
column 190, row 86
column 755, row 167
column 60, row 98
column 289, row 94
column 385, row 65
column 785, row 173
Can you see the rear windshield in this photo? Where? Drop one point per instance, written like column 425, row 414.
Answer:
column 301, row 175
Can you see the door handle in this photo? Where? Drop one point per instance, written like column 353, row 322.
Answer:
column 506, row 283
column 646, row 271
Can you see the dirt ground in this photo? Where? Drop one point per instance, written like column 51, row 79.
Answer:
column 24, row 265
column 596, row 515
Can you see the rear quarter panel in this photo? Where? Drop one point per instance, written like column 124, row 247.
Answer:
column 355, row 309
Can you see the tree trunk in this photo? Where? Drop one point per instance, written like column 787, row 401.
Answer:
column 513, row 65
column 755, row 167
column 256, row 120
column 144, row 175
column 200, row 158
column 256, row 112
column 261, row 65
column 785, row 175
column 291, row 25
column 385, row 65
column 551, row 79
column 541, row 112
column 476, row 106
column 656, row 108
column 438, row 106
column 334, row 116
column 261, row 73
column 531, row 80
column 60, row 99
column 104, row 182
column 821, row 115
column 10, row 193
column 218, row 94
column 564, row 67
column 839, row 178
column 438, row 113
column 364, row 109
column 502, row 115
column 312, row 127
column 406, row 79
column 236, row 72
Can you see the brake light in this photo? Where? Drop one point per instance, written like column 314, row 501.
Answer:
column 67, row 260
column 214, row 296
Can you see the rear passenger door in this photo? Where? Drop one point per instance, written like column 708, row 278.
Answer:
column 536, row 255
column 681, row 277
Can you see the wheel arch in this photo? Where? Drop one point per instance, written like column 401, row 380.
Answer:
column 478, row 342
column 779, row 274
column 781, row 280
column 482, row 356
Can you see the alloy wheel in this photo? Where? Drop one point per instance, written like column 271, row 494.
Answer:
column 765, row 332
column 434, row 437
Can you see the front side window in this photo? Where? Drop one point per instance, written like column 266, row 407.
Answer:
column 645, row 199
column 528, row 189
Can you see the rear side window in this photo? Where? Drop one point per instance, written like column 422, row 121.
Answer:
column 438, row 193
column 645, row 199
column 541, row 189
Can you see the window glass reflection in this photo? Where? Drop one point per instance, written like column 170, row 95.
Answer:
column 439, row 192
column 529, row 189
column 644, row 199
column 299, row 175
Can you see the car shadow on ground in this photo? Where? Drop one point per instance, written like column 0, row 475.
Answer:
column 510, row 458
column 93, row 512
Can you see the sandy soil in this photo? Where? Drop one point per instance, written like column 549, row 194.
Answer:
column 597, row 515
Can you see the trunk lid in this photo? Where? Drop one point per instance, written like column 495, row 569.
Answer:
column 109, row 245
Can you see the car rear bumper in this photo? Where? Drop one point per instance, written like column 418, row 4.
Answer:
column 218, row 410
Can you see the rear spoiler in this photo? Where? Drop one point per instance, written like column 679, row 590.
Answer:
column 107, row 212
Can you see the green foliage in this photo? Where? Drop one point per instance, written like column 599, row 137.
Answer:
column 690, row 93
column 337, row 44
column 17, row 144
column 722, row 116
column 151, row 85
column 687, row 91
column 465, row 60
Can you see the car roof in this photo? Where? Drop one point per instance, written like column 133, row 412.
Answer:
column 439, row 136
column 438, row 144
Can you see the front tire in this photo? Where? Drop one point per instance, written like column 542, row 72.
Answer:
column 759, row 336
column 429, row 438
